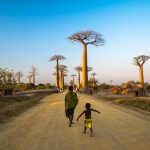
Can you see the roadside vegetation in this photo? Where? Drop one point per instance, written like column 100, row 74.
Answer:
column 142, row 103
column 11, row 106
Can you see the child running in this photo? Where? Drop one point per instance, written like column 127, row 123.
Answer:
column 88, row 118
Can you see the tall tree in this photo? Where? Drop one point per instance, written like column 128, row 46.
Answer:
column 57, row 58
column 86, row 38
column 30, row 77
column 93, row 75
column 139, row 61
column 73, row 75
column 18, row 76
column 65, row 75
column 62, row 69
column 33, row 73
column 78, row 69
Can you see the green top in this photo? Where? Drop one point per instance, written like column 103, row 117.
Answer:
column 71, row 100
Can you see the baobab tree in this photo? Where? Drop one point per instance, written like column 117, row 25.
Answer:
column 57, row 58
column 139, row 61
column 33, row 73
column 93, row 76
column 62, row 69
column 78, row 69
column 73, row 75
column 30, row 77
column 86, row 38
column 89, row 69
column 65, row 75
column 18, row 76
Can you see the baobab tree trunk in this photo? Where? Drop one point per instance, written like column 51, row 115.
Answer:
column 141, row 78
column 84, row 68
column 61, row 80
column 93, row 83
column 73, row 83
column 34, row 79
column 57, row 74
column 30, row 80
column 19, row 79
column 78, row 79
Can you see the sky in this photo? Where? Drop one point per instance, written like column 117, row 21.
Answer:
column 32, row 31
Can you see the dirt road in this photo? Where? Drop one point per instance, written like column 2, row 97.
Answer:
column 44, row 127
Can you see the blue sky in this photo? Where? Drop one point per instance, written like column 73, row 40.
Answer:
column 32, row 31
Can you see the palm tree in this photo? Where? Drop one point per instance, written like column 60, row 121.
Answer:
column 57, row 58
column 86, row 38
column 93, row 75
column 139, row 61
column 78, row 69
column 19, row 75
column 62, row 69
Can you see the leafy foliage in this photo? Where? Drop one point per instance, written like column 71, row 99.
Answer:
column 7, row 81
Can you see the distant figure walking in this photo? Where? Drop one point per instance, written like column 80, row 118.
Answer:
column 71, row 101
column 88, row 118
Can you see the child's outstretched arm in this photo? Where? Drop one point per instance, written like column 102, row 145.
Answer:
column 80, row 115
column 95, row 110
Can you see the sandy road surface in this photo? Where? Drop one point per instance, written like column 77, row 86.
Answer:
column 44, row 127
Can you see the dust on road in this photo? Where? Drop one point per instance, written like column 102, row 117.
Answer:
column 45, row 127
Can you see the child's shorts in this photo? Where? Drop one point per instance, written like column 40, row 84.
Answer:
column 88, row 123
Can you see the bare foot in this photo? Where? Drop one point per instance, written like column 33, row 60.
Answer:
column 84, row 132
column 69, row 124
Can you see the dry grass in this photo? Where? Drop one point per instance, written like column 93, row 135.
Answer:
column 142, row 103
column 14, row 105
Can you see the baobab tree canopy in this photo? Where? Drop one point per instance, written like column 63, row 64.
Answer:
column 78, row 68
column 87, row 37
column 62, row 67
column 93, row 74
column 57, row 57
column 140, row 60
column 89, row 69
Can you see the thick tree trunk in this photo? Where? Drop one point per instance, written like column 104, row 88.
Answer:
column 93, row 82
column 30, row 80
column 19, row 79
column 78, row 79
column 61, row 80
column 73, row 82
column 57, row 74
column 34, row 79
column 84, row 69
column 141, row 78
